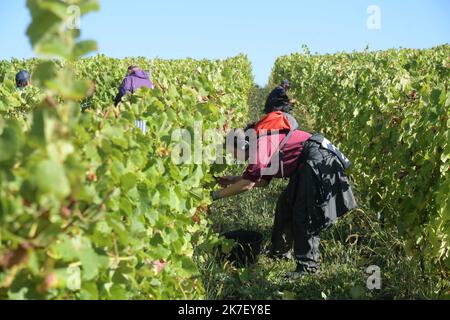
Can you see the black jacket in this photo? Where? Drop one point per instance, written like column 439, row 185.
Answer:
column 320, row 191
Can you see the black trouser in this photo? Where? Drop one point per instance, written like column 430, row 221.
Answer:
column 291, row 228
column 317, row 195
column 291, row 225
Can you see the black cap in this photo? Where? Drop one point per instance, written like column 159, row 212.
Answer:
column 285, row 83
column 22, row 78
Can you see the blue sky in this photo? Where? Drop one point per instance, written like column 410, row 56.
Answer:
column 261, row 29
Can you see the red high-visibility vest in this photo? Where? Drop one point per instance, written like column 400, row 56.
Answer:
column 273, row 121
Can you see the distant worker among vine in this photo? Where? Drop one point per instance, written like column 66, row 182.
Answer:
column 277, row 111
column 23, row 79
column 136, row 78
column 278, row 100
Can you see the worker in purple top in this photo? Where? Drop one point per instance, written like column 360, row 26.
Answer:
column 136, row 78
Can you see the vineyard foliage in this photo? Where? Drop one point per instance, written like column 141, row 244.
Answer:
column 389, row 112
column 90, row 206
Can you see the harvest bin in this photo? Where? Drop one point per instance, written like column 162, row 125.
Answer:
column 246, row 248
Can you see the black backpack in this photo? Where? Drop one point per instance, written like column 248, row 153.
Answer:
column 326, row 144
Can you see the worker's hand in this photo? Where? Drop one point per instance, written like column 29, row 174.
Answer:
column 293, row 101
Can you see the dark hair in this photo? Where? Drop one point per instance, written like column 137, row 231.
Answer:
column 133, row 66
column 280, row 104
column 240, row 140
